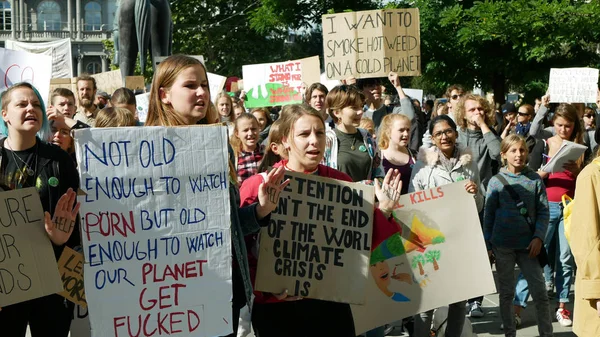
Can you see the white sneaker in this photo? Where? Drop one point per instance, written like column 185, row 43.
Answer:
column 563, row 316
column 475, row 311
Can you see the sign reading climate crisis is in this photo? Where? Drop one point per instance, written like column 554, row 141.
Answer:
column 318, row 241
column 372, row 43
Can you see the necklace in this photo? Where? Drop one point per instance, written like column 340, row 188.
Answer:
column 353, row 143
column 30, row 172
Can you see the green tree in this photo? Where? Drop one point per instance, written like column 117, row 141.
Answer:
column 432, row 256
column 504, row 45
column 418, row 261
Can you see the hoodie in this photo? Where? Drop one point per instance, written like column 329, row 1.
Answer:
column 484, row 148
column 503, row 224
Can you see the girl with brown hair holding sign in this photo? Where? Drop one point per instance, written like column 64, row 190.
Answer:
column 27, row 160
column 282, row 314
column 180, row 96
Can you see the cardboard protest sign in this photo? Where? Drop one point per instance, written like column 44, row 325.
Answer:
column 414, row 94
column 109, row 81
column 67, row 83
column 156, row 229
column 318, row 242
column 438, row 258
column 134, row 83
column 19, row 66
column 70, row 267
column 281, row 83
column 27, row 264
column 142, row 101
column 573, row 85
column 372, row 43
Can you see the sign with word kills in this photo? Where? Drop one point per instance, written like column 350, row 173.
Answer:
column 156, row 237
column 437, row 257
column 318, row 241
column 281, row 83
column 27, row 263
column 573, row 85
column 372, row 43
column 70, row 267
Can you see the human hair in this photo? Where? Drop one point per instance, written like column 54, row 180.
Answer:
column 162, row 114
column 111, row 117
column 123, row 96
column 456, row 87
column 63, row 92
column 54, row 129
column 290, row 115
column 234, row 140
column 529, row 108
column 275, row 137
column 460, row 113
column 44, row 132
column 440, row 119
column 343, row 96
column 509, row 141
column 86, row 77
column 385, row 129
column 361, row 83
column 224, row 94
column 313, row 87
column 438, row 102
column 266, row 113
column 367, row 124
column 569, row 113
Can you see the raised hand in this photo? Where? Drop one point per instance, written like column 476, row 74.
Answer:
column 269, row 191
column 388, row 193
column 60, row 227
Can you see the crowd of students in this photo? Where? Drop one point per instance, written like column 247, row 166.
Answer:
column 347, row 133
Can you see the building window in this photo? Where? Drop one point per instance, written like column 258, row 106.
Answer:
column 5, row 23
column 93, row 67
column 49, row 16
column 112, row 13
column 93, row 16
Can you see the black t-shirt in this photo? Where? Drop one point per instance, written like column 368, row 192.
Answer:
column 22, row 168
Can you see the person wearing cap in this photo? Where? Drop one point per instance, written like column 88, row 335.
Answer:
column 509, row 113
column 524, row 116
column 102, row 99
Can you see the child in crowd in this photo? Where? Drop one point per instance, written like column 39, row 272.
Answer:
column 514, row 232
column 248, row 151
column 115, row 117
column 393, row 141
column 225, row 107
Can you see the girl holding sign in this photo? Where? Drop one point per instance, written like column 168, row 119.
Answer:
column 443, row 164
column 180, row 96
column 27, row 161
column 303, row 131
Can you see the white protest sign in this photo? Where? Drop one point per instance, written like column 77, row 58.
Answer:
column 437, row 257
column 414, row 94
column 28, row 267
column 59, row 50
column 142, row 101
column 19, row 66
column 216, row 84
column 281, row 83
column 156, row 230
column 573, row 85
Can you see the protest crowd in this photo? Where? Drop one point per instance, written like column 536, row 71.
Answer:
column 356, row 131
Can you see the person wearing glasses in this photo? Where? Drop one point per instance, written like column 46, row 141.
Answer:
column 442, row 164
column 524, row 116
column 452, row 96
column 589, row 124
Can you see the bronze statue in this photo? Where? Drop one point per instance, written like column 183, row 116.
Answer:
column 141, row 25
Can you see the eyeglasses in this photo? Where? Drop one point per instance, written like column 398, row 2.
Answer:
column 589, row 116
column 448, row 133
column 455, row 97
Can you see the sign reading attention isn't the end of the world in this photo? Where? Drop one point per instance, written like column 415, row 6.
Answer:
column 372, row 43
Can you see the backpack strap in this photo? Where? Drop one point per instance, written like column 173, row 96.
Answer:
column 518, row 202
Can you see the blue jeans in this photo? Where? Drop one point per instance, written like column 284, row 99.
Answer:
column 559, row 256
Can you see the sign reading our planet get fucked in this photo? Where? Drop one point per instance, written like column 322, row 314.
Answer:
column 318, row 241
column 372, row 43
